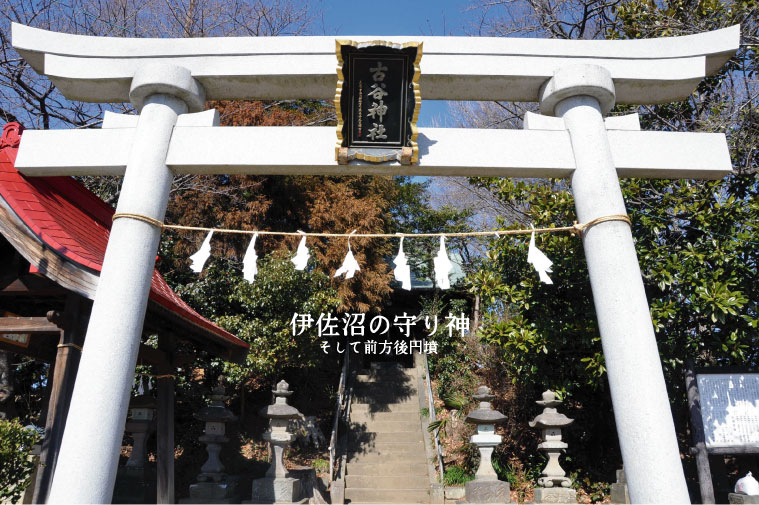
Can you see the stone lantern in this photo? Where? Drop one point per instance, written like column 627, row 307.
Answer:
column 277, row 486
column 553, row 485
column 486, row 488
column 214, row 486
column 135, row 480
column 139, row 425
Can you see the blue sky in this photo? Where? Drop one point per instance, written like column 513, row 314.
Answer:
column 393, row 17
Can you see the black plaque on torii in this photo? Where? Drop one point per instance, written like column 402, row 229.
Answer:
column 377, row 101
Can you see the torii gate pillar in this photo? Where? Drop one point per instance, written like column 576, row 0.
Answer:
column 87, row 474
column 581, row 95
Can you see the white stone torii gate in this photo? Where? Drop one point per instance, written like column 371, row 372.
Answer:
column 578, row 81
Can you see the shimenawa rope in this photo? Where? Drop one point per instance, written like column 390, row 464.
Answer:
column 575, row 229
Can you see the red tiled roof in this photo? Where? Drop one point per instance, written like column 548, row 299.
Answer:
column 75, row 223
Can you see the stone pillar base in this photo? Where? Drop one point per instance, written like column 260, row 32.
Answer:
column 555, row 495
column 437, row 493
column 276, row 490
column 619, row 493
column 213, row 492
column 337, row 491
column 134, row 485
column 742, row 498
column 487, row 491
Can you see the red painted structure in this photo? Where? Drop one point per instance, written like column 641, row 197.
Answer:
column 72, row 221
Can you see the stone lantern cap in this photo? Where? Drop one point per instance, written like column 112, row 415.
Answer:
column 483, row 394
column 141, row 411
column 283, row 389
column 280, row 409
column 216, row 411
column 485, row 414
column 550, row 418
column 144, row 401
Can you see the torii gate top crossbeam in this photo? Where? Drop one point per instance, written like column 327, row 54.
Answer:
column 100, row 69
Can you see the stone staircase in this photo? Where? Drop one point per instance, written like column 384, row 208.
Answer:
column 387, row 460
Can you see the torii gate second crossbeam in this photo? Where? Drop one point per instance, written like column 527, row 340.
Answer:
column 577, row 81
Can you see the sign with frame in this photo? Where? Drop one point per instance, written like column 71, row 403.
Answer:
column 729, row 410
column 17, row 339
column 724, row 415
column 377, row 101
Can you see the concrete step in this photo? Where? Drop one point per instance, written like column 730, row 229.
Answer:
column 386, row 402
column 385, row 397
column 392, row 495
column 373, row 417
column 385, row 364
column 377, row 382
column 386, row 427
column 405, row 377
column 388, row 448
column 385, row 387
column 388, row 481
column 374, row 458
column 386, row 368
column 387, row 459
column 385, row 371
column 373, row 408
column 394, row 375
column 373, row 437
column 405, row 467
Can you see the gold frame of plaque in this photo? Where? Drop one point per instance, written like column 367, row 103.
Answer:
column 362, row 92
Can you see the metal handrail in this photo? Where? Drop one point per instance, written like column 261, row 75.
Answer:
column 433, row 418
column 339, row 409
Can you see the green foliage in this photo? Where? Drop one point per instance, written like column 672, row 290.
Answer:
column 16, row 465
column 457, row 403
column 438, row 424
column 320, row 465
column 515, row 473
column 453, row 374
column 451, row 366
column 596, row 491
column 456, row 476
column 536, row 326
column 413, row 213
column 30, row 378
column 697, row 240
column 696, row 243
column 261, row 312
column 503, row 470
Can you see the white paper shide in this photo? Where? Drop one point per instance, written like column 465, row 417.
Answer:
column 250, row 261
column 539, row 260
column 199, row 258
column 443, row 266
column 402, row 269
column 301, row 256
